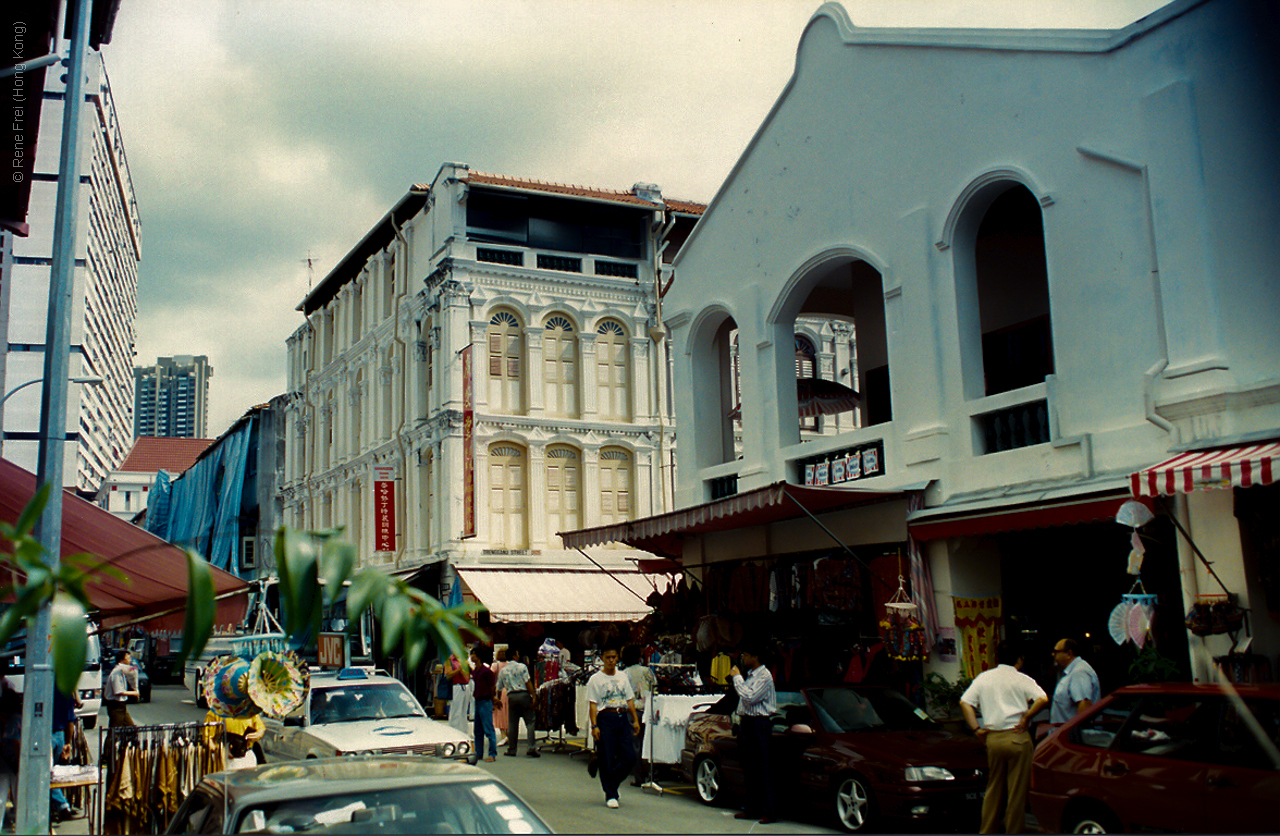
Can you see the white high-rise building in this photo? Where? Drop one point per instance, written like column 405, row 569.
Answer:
column 107, row 249
column 171, row 398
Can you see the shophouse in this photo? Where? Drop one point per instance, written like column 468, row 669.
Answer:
column 1053, row 250
column 485, row 369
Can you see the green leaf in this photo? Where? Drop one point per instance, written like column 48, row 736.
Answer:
column 395, row 614
column 367, row 586
column 337, row 559
column 198, row 623
column 70, row 642
column 299, row 581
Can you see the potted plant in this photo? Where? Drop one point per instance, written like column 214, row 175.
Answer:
column 942, row 698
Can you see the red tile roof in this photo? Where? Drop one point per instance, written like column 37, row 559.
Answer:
column 614, row 196
column 151, row 454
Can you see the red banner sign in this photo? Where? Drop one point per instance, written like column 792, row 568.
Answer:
column 384, row 510
column 468, row 449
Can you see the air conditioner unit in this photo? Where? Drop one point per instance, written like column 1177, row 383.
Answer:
column 248, row 553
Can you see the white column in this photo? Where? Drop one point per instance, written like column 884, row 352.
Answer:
column 588, row 376
column 536, row 478
column 534, row 377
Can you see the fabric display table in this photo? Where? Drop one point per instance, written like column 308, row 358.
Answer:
column 666, row 716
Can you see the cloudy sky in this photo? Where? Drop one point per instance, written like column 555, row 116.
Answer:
column 261, row 135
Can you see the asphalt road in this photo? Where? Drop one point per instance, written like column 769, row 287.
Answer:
column 556, row 785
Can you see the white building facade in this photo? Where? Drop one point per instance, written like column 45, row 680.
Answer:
column 1054, row 249
column 107, row 249
column 484, row 370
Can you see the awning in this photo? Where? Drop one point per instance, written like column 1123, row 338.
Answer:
column 155, row 571
column 559, row 595
column 1223, row 467
column 663, row 534
column 960, row 522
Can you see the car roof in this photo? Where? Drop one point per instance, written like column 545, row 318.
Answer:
column 328, row 678
column 347, row 774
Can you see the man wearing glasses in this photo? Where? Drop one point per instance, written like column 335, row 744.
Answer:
column 1078, row 687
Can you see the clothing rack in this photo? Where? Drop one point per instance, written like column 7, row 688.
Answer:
column 162, row 762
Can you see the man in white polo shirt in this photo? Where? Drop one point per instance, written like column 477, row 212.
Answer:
column 1007, row 699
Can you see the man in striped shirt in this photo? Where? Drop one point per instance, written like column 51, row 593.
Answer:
column 757, row 703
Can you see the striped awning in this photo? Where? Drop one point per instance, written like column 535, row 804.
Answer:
column 1223, row 467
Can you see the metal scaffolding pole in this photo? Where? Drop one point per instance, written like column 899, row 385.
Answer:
column 37, row 704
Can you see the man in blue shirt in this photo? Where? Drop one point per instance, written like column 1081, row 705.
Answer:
column 1078, row 688
column 757, row 703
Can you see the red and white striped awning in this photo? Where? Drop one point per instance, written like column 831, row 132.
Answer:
column 1223, row 467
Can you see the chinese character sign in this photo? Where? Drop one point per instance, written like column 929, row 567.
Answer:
column 979, row 621
column 384, row 510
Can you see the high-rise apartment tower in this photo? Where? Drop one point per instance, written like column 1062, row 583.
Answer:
column 171, row 398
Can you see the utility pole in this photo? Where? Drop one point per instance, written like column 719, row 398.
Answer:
column 36, row 756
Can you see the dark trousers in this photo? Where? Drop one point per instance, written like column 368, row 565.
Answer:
column 753, row 749
column 483, row 726
column 642, row 769
column 615, row 749
column 118, row 714
column 519, row 707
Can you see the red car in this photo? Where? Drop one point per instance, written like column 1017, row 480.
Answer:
column 861, row 753
column 1180, row 757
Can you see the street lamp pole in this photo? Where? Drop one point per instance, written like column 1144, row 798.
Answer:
column 91, row 380
column 37, row 704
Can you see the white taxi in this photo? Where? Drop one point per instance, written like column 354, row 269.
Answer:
column 354, row 711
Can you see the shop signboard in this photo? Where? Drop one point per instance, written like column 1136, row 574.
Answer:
column 384, row 509
column 842, row 466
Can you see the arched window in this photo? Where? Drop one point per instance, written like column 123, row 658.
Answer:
column 505, row 374
column 615, row 485
column 806, row 367
column 564, row 492
column 560, row 367
column 613, row 371
column 507, row 506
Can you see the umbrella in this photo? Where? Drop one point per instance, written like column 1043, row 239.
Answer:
column 816, row 396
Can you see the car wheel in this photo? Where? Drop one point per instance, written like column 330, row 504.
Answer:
column 708, row 780
column 853, row 805
column 89, row 722
column 1091, row 819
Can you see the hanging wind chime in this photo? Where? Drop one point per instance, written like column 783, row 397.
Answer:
column 1131, row 620
column 904, row 635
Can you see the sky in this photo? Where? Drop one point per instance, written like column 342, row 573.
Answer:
column 264, row 139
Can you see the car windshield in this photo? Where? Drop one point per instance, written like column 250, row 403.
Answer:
column 377, row 701
column 471, row 807
column 871, row 709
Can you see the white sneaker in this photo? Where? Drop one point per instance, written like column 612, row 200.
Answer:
column 612, row 804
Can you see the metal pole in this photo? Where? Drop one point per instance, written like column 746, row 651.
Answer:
column 37, row 704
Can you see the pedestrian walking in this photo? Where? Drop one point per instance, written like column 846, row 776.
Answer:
column 484, row 684
column 609, row 703
column 1003, row 695
column 120, row 685
column 757, row 703
column 520, row 699
column 643, row 684
column 1078, row 687
column 460, row 703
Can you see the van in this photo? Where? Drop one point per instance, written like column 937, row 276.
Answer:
column 88, row 687
column 193, row 671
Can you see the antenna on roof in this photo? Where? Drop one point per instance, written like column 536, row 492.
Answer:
column 311, row 269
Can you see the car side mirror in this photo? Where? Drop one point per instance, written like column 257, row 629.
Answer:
column 800, row 728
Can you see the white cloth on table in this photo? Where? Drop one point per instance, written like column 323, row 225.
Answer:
column 666, row 716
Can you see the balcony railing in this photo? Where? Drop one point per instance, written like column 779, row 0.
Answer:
column 1016, row 426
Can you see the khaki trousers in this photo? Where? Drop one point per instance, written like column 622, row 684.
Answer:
column 1008, row 779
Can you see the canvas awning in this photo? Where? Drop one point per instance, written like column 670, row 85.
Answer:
column 559, row 595
column 155, row 571
column 663, row 534
column 1240, row 466
column 962, row 520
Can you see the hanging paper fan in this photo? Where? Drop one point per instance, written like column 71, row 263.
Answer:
column 227, row 688
column 1138, row 623
column 1134, row 514
column 1118, row 622
column 1135, row 563
column 277, row 682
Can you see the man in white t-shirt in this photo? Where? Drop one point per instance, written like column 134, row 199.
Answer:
column 609, row 702
column 1008, row 699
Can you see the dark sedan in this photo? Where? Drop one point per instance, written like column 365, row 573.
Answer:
column 1164, row 757
column 862, row 753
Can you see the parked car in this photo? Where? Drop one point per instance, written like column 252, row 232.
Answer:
column 860, row 752
column 1183, row 757
column 375, row 794
column 354, row 711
